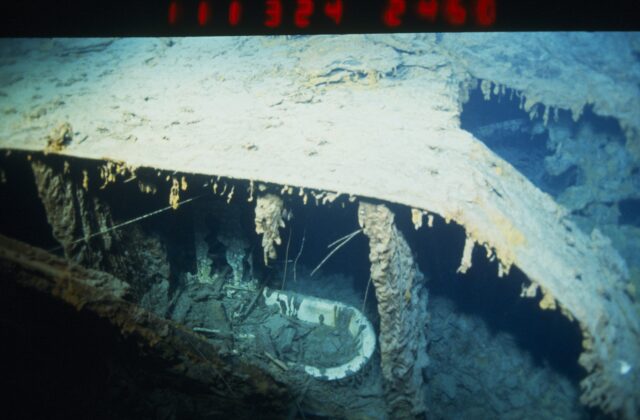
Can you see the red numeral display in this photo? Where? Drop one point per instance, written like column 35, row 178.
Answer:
column 235, row 12
column 427, row 9
column 485, row 12
column 274, row 13
column 303, row 13
column 451, row 12
column 393, row 13
column 204, row 12
column 174, row 12
column 333, row 10
column 454, row 13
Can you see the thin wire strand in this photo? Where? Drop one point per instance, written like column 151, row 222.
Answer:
column 366, row 292
column 286, row 259
column 344, row 238
column 295, row 263
column 128, row 222
column 349, row 237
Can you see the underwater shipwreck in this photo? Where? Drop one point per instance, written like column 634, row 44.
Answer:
column 363, row 226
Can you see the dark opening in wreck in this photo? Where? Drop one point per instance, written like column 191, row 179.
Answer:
column 202, row 266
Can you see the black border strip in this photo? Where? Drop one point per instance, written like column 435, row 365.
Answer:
column 88, row 18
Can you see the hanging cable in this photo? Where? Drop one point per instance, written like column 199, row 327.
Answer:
column 128, row 222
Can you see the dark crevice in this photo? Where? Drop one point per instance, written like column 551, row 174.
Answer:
column 22, row 215
column 548, row 336
column 509, row 132
column 63, row 363
column 630, row 212
column 558, row 183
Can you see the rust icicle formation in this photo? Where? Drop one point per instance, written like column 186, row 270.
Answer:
column 268, row 223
